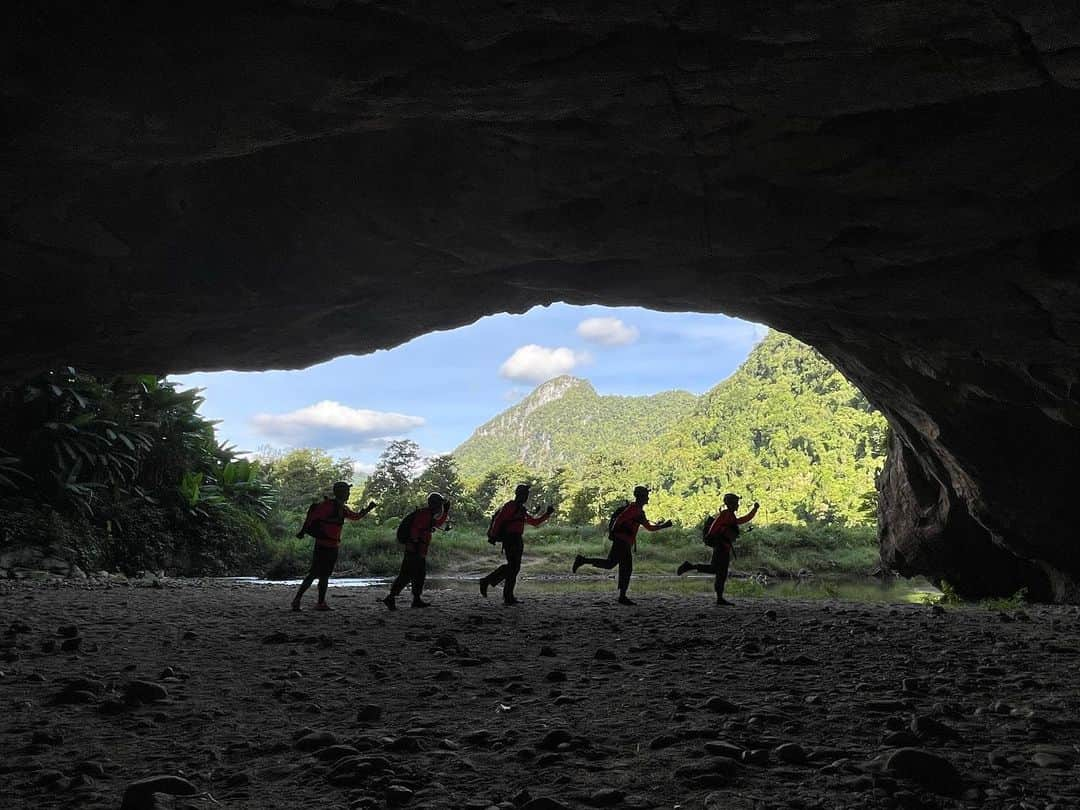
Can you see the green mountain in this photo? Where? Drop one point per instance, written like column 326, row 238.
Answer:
column 563, row 421
column 786, row 429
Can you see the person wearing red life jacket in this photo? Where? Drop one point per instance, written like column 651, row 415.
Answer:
column 508, row 527
column 420, row 526
column 721, row 536
column 324, row 522
column 623, row 535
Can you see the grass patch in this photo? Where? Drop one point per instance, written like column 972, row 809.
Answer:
column 777, row 551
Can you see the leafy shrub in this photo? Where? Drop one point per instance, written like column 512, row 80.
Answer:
column 1015, row 602
column 949, row 596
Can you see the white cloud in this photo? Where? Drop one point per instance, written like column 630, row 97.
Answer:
column 607, row 331
column 331, row 424
column 536, row 364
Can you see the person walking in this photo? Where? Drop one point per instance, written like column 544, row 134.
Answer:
column 324, row 522
column 622, row 532
column 508, row 527
column 415, row 532
column 721, row 537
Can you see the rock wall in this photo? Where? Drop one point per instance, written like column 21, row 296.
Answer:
column 262, row 185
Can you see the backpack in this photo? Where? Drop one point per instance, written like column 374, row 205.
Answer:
column 709, row 541
column 614, row 519
column 729, row 534
column 494, row 536
column 404, row 529
column 314, row 528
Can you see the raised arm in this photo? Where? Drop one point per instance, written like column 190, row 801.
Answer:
column 749, row 515
column 351, row 515
column 653, row 527
column 538, row 519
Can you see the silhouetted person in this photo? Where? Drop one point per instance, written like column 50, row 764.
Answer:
column 721, row 536
column 508, row 527
column 623, row 535
column 323, row 522
column 415, row 531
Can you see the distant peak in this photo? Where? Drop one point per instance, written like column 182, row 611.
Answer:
column 562, row 381
column 556, row 388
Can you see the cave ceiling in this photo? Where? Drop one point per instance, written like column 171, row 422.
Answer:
column 265, row 185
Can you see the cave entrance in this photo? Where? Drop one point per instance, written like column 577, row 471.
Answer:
column 587, row 402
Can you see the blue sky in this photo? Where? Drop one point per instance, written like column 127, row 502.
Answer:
column 436, row 389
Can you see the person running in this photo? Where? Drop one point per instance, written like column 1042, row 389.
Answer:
column 721, row 536
column 417, row 528
column 508, row 527
column 324, row 522
column 623, row 535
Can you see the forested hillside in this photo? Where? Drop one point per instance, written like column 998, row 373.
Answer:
column 786, row 429
column 563, row 421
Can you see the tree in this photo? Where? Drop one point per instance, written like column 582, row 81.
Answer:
column 497, row 487
column 441, row 475
column 584, row 506
column 303, row 475
column 391, row 484
column 553, row 489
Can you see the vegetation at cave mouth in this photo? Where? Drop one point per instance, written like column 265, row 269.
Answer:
column 128, row 474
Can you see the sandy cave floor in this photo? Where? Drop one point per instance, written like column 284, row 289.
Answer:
column 565, row 701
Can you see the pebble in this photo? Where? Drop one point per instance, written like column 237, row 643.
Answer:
column 930, row 770
column 398, row 794
column 146, row 692
column 316, row 740
column 756, row 756
column 720, row 706
column 553, row 739
column 722, row 748
column 1045, row 760
column 791, row 753
column 928, row 727
column 140, row 795
column 606, row 797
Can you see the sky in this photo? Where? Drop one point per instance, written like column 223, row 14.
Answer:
column 438, row 388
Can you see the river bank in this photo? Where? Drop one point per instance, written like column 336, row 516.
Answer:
column 567, row 701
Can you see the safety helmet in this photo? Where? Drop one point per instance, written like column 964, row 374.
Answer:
column 341, row 486
column 731, row 499
column 640, row 490
column 435, row 500
column 522, row 488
